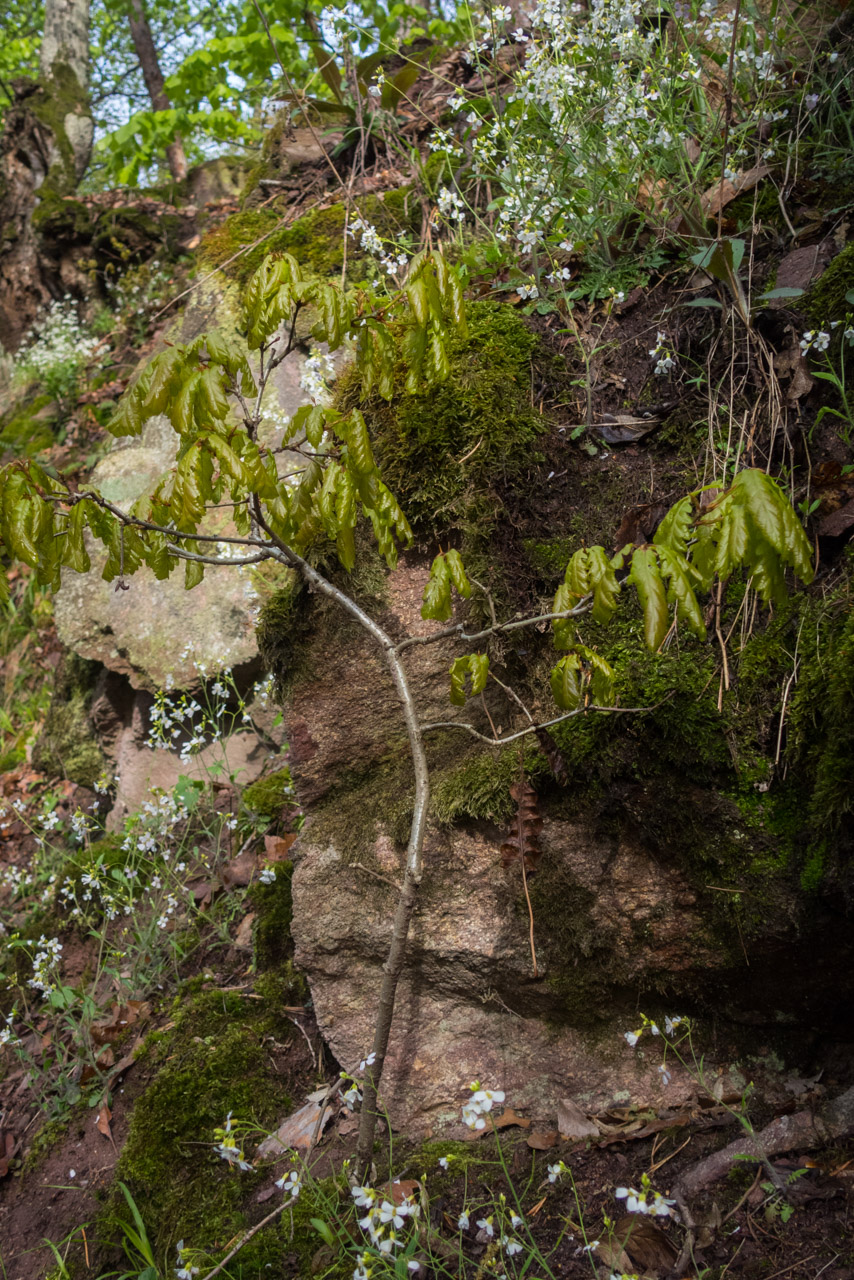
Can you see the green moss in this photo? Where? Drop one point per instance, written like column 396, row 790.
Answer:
column 445, row 453
column 274, row 908
column 477, row 788
column 215, row 1060
column 825, row 301
column 267, row 797
column 282, row 628
column 27, row 430
column 67, row 746
column 316, row 239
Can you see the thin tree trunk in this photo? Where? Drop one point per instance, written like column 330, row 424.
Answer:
column 143, row 43
column 44, row 150
column 394, row 963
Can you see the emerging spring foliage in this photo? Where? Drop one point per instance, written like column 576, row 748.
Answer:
column 707, row 535
column 211, row 390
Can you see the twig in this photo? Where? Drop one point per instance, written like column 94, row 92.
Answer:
column 308, row 1042
column 734, row 1210
column 547, row 724
column 458, row 629
column 244, row 1240
column 360, row 866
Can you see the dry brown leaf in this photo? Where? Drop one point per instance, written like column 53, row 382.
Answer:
column 240, row 871
column 402, row 1190
column 509, row 1117
column 102, row 1121
column 572, row 1123
column 276, row 847
column 646, row 1244
column 542, row 1139
column 720, row 194
column 243, row 936
column 296, row 1132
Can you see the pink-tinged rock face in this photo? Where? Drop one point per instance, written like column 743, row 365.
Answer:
column 468, row 1006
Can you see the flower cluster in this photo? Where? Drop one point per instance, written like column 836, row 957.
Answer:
column 480, row 1104
column 184, row 1270
column 45, row 964
column 318, row 373
column 7, row 1034
column 393, row 262
column 646, row 1200
column 671, row 1025
column 384, row 1219
column 663, row 356
column 598, row 94
column 228, row 1148
column 56, row 341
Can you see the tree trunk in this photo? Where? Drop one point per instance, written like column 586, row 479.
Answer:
column 44, row 151
column 143, row 43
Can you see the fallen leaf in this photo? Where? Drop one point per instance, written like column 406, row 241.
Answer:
column 640, row 523
column 542, row 1139
column 102, row 1122
column 294, row 1133
column 276, row 847
column 645, row 1243
column 720, row 194
column 243, row 936
column 509, row 1117
column 621, row 428
column 401, row 1190
column 240, row 871
column 572, row 1123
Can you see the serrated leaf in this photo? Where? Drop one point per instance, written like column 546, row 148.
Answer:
column 479, row 668
column 603, row 582
column 457, row 573
column 563, row 627
column 211, row 394
column 677, row 527
column 437, row 592
column 567, row 687
column 193, row 574
column 647, row 580
column 359, row 444
column 675, row 569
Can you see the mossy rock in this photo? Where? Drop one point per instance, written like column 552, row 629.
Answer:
column 826, row 301
column 67, row 746
column 274, row 907
column 316, row 239
column 214, row 1061
column 444, row 453
column 267, row 797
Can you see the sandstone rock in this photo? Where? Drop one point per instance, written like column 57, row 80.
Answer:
column 468, row 1006
column 156, row 630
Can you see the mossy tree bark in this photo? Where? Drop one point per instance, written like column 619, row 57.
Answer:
column 44, row 151
column 143, row 43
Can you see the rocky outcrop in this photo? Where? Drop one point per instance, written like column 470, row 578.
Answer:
column 623, row 923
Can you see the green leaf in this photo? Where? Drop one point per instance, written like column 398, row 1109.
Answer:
column 604, row 583
column 676, row 528
column 675, row 568
column 474, row 665
column 567, row 687
column 359, row 444
column 323, row 1231
column 646, row 578
column 783, row 292
column 437, row 593
column 703, row 302
column 457, row 573
column 193, row 575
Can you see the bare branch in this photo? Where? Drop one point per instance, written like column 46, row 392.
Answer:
column 535, row 728
column 191, row 555
column 458, row 629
